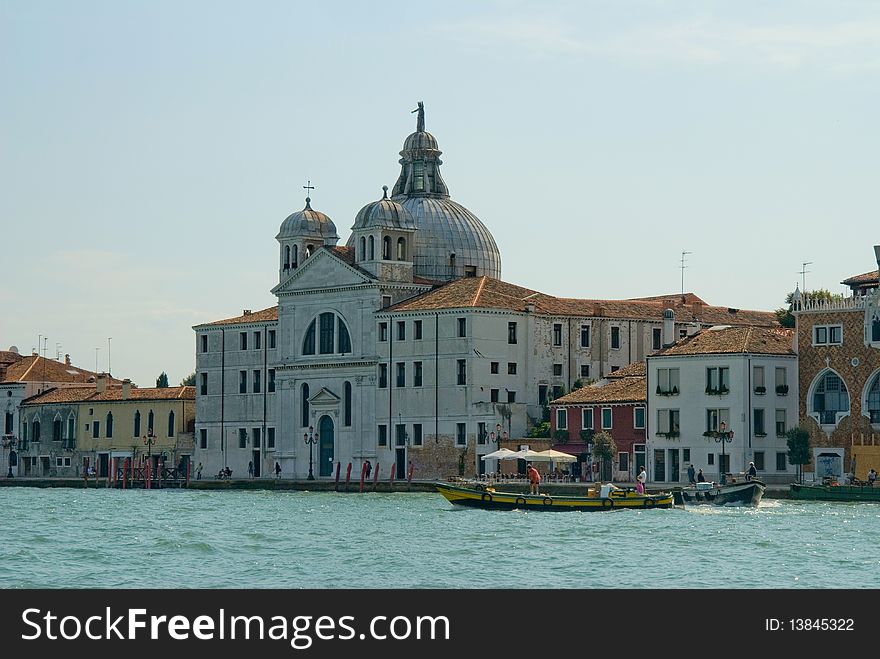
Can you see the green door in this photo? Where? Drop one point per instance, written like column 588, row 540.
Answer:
column 325, row 452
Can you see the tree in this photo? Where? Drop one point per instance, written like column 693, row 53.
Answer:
column 540, row 430
column 798, row 441
column 785, row 317
column 162, row 380
column 189, row 380
column 604, row 450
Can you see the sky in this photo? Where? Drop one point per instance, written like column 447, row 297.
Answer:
column 149, row 151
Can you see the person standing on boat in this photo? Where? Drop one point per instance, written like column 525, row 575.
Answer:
column 872, row 476
column 752, row 472
column 700, row 477
column 277, row 470
column 692, row 476
column 641, row 479
column 534, row 478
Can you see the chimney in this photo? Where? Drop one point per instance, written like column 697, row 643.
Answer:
column 598, row 309
column 126, row 389
column 102, row 383
column 2, row 372
column 696, row 308
column 668, row 327
column 246, row 312
column 67, row 360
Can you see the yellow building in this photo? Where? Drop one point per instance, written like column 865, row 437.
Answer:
column 112, row 422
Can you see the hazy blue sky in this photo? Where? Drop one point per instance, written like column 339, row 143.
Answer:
column 150, row 150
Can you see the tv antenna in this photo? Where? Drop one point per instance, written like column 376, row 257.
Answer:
column 683, row 266
column 803, row 272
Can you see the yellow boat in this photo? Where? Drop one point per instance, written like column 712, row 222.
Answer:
column 489, row 498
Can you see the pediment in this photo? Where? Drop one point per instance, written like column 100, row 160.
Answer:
column 322, row 270
column 324, row 398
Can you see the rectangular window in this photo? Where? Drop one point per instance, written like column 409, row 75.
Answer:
column 667, row 422
column 401, row 330
column 718, row 420
column 585, row 336
column 493, row 368
column 623, row 461
column 511, row 368
column 656, row 338
column 242, row 340
column 511, row 333
column 781, row 461
column 256, row 434
column 585, row 370
column 557, row 334
column 460, row 434
column 417, row 330
column 759, row 460
column 271, row 339
column 203, row 438
column 96, row 431
column 242, row 382
column 542, row 394
column 257, row 382
column 270, row 438
column 400, row 434
column 606, row 418
column 781, row 380
column 557, row 370
column 639, row 418
column 204, row 340
column 558, row 391
column 417, row 434
column 383, row 331
column 686, row 454
column 780, row 423
column 482, row 436
column 383, row 376
column 242, row 438
column 667, row 381
column 326, row 322
column 203, row 387
column 511, row 396
column 758, row 379
column 710, row 459
column 587, row 418
column 717, row 380
column 493, row 395
column 615, row 338
column 386, row 301
column 562, row 419
column 462, row 371
column 760, row 428
column 258, row 340
column 827, row 335
column 462, row 327
column 270, row 384
column 383, row 435
column 417, row 374
column 401, row 374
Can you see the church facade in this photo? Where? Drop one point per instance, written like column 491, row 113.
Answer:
column 403, row 347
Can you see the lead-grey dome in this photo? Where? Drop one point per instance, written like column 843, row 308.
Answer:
column 384, row 214
column 307, row 222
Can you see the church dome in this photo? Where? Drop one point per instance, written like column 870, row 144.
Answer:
column 308, row 223
column 384, row 214
column 420, row 141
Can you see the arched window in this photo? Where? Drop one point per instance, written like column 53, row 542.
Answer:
column 372, row 248
column 56, row 430
column 363, row 249
column 287, row 257
column 171, row 423
column 386, row 248
column 309, row 341
column 309, row 250
column 305, row 405
column 109, row 425
column 346, row 404
column 344, row 338
column 150, row 422
column 872, row 402
column 137, row 424
column 327, row 323
column 71, row 428
column 401, row 249
column 829, row 398
column 36, row 430
column 295, row 256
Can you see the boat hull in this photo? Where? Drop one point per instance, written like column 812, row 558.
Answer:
column 748, row 493
column 834, row 493
column 489, row 499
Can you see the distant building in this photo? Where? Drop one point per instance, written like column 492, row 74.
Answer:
column 839, row 373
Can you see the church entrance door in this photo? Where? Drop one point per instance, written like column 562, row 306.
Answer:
column 256, row 459
column 325, row 451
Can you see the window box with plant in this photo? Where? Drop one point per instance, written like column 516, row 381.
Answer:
column 670, row 392
column 587, row 435
column 781, row 389
column 561, row 436
column 672, row 434
column 760, row 391
column 760, row 434
column 719, row 391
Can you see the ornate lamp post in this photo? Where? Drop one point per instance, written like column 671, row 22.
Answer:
column 310, row 438
column 149, row 440
column 9, row 441
column 723, row 437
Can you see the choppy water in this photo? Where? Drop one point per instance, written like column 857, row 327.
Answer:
column 199, row 539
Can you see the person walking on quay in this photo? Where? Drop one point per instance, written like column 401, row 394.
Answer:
column 277, row 470
column 700, row 477
column 641, row 479
column 534, row 478
column 692, row 476
column 369, row 468
column 199, row 472
column 872, row 476
column 752, row 472
column 251, row 469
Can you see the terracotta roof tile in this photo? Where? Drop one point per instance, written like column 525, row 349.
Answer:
column 40, row 369
column 486, row 292
column 634, row 370
column 620, row 390
column 88, row 393
column 752, row 340
column 263, row 316
column 865, row 278
column 9, row 357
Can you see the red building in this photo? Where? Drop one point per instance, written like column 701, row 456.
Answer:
column 615, row 405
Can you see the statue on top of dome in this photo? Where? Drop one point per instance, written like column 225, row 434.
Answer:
column 420, row 120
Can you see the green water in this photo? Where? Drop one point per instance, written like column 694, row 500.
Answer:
column 198, row 539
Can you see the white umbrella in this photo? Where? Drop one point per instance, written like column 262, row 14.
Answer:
column 523, row 454
column 500, row 454
column 559, row 456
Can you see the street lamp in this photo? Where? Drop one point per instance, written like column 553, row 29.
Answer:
column 149, row 440
column 10, row 442
column 310, row 438
column 723, row 437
